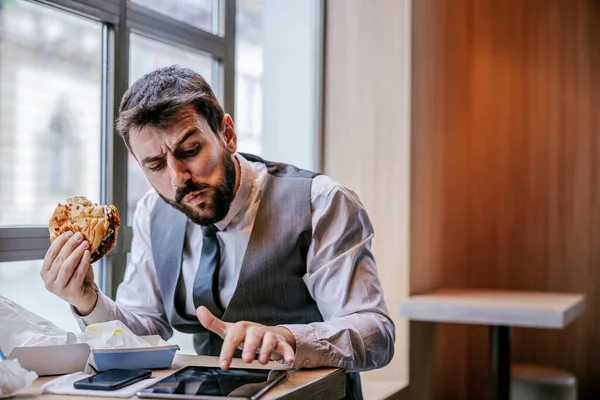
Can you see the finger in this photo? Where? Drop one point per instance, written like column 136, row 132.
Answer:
column 89, row 275
column 286, row 351
column 210, row 322
column 81, row 271
column 235, row 336
column 268, row 345
column 251, row 344
column 68, row 267
column 54, row 249
column 64, row 253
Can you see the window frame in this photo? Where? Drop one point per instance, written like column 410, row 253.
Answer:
column 120, row 18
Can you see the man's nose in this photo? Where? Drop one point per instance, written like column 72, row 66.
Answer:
column 179, row 173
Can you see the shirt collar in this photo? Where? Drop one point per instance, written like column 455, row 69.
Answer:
column 242, row 197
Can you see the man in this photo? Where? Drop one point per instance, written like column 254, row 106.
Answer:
column 240, row 252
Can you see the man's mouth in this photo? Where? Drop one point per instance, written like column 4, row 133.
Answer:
column 196, row 197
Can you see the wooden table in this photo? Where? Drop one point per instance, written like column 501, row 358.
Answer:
column 501, row 310
column 320, row 383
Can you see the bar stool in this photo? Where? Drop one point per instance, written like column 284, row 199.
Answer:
column 537, row 382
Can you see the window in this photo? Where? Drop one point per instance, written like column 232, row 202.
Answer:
column 50, row 137
column 277, row 81
column 249, row 60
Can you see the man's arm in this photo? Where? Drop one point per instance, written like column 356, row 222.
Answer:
column 357, row 332
column 138, row 302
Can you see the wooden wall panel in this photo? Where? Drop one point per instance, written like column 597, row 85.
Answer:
column 505, row 172
column 367, row 143
column 427, row 205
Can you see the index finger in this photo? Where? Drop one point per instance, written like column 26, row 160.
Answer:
column 234, row 337
column 54, row 250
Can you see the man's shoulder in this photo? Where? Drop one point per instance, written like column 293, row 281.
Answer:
column 278, row 169
column 325, row 187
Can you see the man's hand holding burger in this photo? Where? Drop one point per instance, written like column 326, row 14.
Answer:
column 67, row 271
column 81, row 233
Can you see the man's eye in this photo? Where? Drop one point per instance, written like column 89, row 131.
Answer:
column 190, row 152
column 156, row 167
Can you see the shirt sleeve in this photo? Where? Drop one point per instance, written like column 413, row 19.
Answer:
column 138, row 302
column 357, row 333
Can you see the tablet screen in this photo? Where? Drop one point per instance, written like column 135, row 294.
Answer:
column 211, row 381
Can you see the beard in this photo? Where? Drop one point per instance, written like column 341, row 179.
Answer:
column 220, row 201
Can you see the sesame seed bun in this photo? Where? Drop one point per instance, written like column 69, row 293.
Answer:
column 98, row 224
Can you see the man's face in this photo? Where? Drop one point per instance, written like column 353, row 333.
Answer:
column 190, row 167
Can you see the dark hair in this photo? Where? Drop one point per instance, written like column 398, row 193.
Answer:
column 156, row 97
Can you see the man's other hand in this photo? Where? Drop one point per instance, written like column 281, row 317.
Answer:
column 270, row 342
column 67, row 272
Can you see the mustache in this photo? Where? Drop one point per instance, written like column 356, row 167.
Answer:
column 190, row 187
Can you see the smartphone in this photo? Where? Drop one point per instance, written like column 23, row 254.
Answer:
column 113, row 379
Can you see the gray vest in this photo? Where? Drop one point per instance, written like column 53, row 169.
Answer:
column 270, row 289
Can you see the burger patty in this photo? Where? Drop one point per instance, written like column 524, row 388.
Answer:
column 109, row 241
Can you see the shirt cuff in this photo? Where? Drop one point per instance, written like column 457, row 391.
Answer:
column 100, row 313
column 309, row 352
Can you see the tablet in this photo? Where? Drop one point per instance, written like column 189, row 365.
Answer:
column 199, row 383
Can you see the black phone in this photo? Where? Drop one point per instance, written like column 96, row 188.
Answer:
column 113, row 379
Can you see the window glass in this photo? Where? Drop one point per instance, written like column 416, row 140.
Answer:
column 50, row 110
column 201, row 14
column 248, row 76
column 277, row 80
column 20, row 282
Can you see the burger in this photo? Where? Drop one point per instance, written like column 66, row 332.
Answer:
column 98, row 224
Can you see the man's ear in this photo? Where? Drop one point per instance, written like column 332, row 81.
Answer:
column 228, row 134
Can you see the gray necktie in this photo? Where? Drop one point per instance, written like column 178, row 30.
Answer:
column 206, row 283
